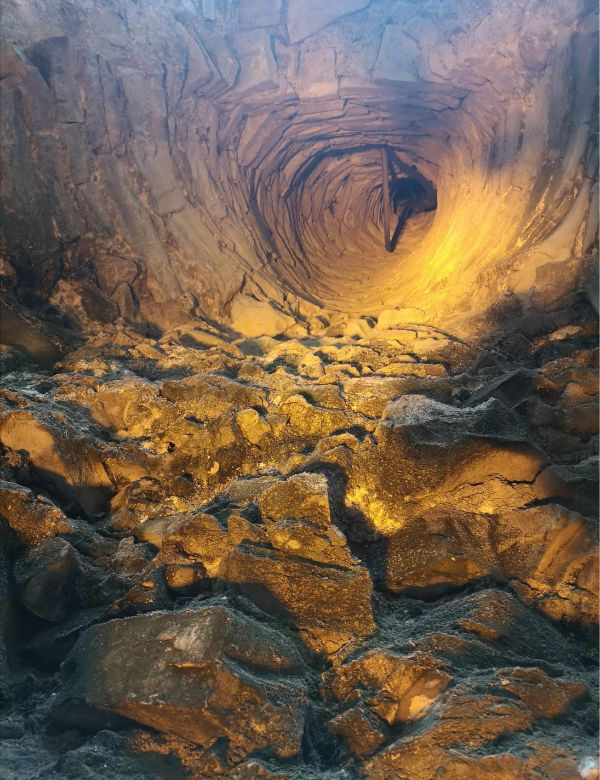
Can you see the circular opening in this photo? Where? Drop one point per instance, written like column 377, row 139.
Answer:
column 345, row 218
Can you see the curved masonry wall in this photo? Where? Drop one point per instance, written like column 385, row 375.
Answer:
column 165, row 160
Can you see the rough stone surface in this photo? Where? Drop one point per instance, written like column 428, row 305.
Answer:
column 190, row 683
column 252, row 318
column 278, row 501
column 168, row 162
column 425, row 543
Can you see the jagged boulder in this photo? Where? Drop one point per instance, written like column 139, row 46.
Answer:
column 547, row 553
column 31, row 518
column 331, row 605
column 382, row 689
column 47, row 579
column 298, row 565
column 431, row 455
column 64, row 455
column 54, row 579
column 204, row 675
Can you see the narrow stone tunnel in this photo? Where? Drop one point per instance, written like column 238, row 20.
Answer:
column 329, row 222
column 173, row 162
column 299, row 390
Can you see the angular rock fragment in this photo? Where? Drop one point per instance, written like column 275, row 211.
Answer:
column 49, row 648
column 547, row 553
column 148, row 594
column 329, row 604
column 430, row 455
column 302, row 497
column 311, row 420
column 544, row 697
column 357, row 727
column 65, row 459
column 205, row 675
column 370, row 396
column 197, row 538
column 396, row 61
column 252, row 425
column 298, row 565
column 31, row 518
column 398, row 688
column 156, row 529
column 53, row 579
column 47, row 579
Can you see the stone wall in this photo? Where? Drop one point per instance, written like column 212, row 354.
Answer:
column 174, row 159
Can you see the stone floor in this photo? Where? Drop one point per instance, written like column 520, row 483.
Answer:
column 369, row 551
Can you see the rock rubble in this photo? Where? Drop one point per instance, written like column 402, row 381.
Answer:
column 299, row 390
column 223, row 562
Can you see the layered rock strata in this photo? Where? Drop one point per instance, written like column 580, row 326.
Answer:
column 172, row 160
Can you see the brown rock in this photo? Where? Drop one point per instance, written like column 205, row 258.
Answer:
column 432, row 455
column 330, row 605
column 302, row 496
column 546, row 552
column 370, row 396
column 359, row 731
column 31, row 518
column 396, row 688
column 544, row 697
column 252, row 425
column 467, row 721
column 47, row 579
column 197, row 538
column 65, row 458
column 204, row 675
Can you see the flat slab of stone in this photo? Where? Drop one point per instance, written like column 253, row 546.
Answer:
column 332, row 603
column 306, row 17
column 396, row 61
